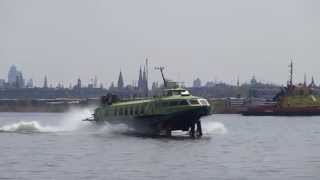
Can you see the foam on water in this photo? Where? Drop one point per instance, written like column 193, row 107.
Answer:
column 23, row 126
column 72, row 121
column 214, row 128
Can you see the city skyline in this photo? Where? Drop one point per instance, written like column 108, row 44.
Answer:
column 15, row 79
column 226, row 40
column 136, row 82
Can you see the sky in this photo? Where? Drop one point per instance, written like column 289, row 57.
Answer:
column 207, row 39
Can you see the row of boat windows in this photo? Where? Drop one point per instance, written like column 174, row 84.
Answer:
column 173, row 103
column 129, row 111
column 140, row 110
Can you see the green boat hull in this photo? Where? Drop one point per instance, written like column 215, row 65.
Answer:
column 157, row 123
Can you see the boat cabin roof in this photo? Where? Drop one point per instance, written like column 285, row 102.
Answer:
column 177, row 91
column 172, row 94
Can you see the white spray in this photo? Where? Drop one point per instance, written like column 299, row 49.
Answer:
column 214, row 128
column 70, row 122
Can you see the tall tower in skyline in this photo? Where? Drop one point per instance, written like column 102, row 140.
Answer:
column 12, row 74
column 144, row 77
column 120, row 81
column 147, row 78
column 79, row 84
column 197, row 83
column 20, row 82
column 140, row 81
column 312, row 84
column 95, row 82
column 45, row 83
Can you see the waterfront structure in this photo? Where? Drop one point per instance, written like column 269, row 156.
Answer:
column 140, row 80
column 79, row 85
column 29, row 83
column 15, row 78
column 293, row 100
column 120, row 81
column 253, row 80
column 143, row 82
column 2, row 83
column 211, row 84
column 197, row 83
column 12, row 75
column 20, row 82
column 45, row 83
column 312, row 84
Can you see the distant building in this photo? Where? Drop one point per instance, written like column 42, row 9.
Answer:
column 79, row 85
column 197, row 83
column 312, row 84
column 111, row 88
column 12, row 75
column 29, row 83
column 253, row 81
column 95, row 82
column 143, row 82
column 120, row 81
column 2, row 83
column 45, row 83
column 19, row 83
column 140, row 81
column 210, row 84
column 155, row 85
column 15, row 78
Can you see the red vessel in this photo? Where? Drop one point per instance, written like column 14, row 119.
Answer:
column 293, row 100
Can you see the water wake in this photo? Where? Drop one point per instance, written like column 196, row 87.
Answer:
column 70, row 122
column 22, row 126
column 214, row 128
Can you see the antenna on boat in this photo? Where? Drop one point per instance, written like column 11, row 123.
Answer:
column 147, row 77
column 161, row 68
column 291, row 74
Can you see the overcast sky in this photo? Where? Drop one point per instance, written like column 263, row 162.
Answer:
column 209, row 39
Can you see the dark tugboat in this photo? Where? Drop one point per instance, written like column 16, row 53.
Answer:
column 175, row 109
column 291, row 101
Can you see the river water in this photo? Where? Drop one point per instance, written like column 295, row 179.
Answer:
column 60, row 146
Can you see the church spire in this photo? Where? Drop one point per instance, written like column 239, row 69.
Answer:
column 144, row 78
column 140, row 81
column 120, row 81
column 305, row 80
column 45, row 83
column 313, row 84
column 145, row 82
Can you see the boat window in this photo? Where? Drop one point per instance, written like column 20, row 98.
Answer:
column 136, row 111
column 131, row 110
column 142, row 109
column 173, row 103
column 169, row 93
column 126, row 111
column 165, row 104
column 194, row 101
column 184, row 103
column 157, row 104
column 115, row 112
column 121, row 112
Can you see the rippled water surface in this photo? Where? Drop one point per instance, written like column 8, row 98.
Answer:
column 60, row 146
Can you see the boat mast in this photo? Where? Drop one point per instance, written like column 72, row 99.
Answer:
column 164, row 79
column 291, row 74
column 147, row 77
